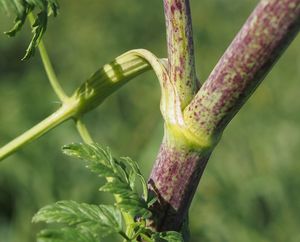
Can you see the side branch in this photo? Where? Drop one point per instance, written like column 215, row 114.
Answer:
column 264, row 37
column 61, row 115
column 92, row 93
column 180, row 164
column 181, row 49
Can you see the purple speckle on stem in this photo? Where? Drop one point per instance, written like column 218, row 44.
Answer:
column 175, row 177
column 261, row 41
column 180, row 52
column 263, row 38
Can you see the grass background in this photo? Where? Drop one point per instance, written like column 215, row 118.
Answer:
column 250, row 189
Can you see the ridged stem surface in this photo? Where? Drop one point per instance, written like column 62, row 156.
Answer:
column 181, row 49
column 178, row 167
column 261, row 41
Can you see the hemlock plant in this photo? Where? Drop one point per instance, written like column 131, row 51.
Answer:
column 195, row 115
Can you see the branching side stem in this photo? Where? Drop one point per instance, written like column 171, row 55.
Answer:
column 58, row 117
column 49, row 68
column 89, row 95
column 181, row 49
column 264, row 37
column 179, row 165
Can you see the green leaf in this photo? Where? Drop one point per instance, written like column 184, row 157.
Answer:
column 169, row 236
column 65, row 234
column 22, row 12
column 102, row 218
column 99, row 221
column 116, row 186
column 122, row 175
column 88, row 152
column 135, row 207
column 38, row 29
column 136, row 172
column 53, row 7
column 95, row 156
column 21, row 9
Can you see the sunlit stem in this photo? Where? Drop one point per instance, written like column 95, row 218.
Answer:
column 90, row 94
column 58, row 117
column 179, row 166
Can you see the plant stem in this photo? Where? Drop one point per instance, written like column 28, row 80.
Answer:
column 83, row 131
column 51, row 74
column 109, row 78
column 88, row 96
column 61, row 115
column 178, row 168
column 49, row 68
column 261, row 41
column 181, row 49
column 174, row 179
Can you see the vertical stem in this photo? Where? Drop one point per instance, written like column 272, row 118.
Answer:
column 181, row 49
column 174, row 179
column 179, row 165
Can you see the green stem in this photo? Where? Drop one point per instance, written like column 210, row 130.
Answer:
column 64, row 113
column 49, row 68
column 83, row 131
column 90, row 94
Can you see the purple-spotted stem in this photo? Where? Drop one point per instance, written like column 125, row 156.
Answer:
column 182, row 70
column 189, row 141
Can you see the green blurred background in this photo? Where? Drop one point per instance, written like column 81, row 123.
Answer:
column 250, row 190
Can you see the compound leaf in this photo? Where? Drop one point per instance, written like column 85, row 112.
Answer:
column 121, row 174
column 21, row 9
column 167, row 236
column 65, row 234
column 101, row 219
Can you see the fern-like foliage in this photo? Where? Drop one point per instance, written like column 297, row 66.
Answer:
column 90, row 223
column 21, row 9
column 121, row 176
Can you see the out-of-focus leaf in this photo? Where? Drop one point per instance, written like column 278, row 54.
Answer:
column 97, row 159
column 65, row 234
column 72, row 213
column 101, row 219
column 170, row 236
column 21, row 9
